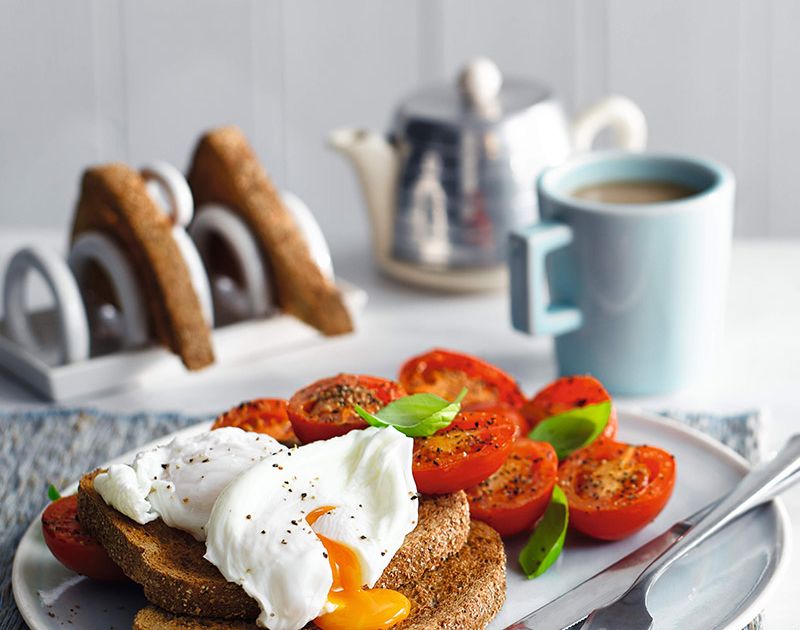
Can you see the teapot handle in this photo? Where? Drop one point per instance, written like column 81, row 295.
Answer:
column 618, row 112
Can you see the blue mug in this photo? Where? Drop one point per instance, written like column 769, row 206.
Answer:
column 633, row 292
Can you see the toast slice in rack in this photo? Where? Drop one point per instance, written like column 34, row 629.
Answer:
column 114, row 201
column 226, row 171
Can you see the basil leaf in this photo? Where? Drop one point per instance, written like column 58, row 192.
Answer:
column 567, row 432
column 52, row 493
column 547, row 540
column 418, row 415
column 370, row 419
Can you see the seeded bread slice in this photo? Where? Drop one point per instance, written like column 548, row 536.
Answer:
column 464, row 591
column 115, row 202
column 226, row 171
column 169, row 563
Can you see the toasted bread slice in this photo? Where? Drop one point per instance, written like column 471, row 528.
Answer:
column 155, row 618
column 225, row 170
column 169, row 563
column 115, row 202
column 465, row 591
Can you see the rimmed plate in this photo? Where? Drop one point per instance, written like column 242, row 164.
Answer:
column 722, row 584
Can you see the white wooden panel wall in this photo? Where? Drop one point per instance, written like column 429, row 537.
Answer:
column 48, row 121
column 347, row 63
column 188, row 66
column 782, row 201
column 100, row 80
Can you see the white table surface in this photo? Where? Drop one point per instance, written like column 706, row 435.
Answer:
column 758, row 365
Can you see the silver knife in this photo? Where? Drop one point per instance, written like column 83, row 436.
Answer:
column 610, row 584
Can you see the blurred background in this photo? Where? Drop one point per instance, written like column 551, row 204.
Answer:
column 93, row 81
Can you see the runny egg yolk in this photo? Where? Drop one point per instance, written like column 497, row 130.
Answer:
column 356, row 607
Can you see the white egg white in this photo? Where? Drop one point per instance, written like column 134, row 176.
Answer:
column 258, row 535
column 180, row 481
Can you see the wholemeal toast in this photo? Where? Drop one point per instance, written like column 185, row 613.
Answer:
column 226, row 171
column 169, row 563
column 114, row 201
column 464, row 591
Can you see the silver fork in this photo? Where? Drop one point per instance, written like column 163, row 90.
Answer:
column 630, row 611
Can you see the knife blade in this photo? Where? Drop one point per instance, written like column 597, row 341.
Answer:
column 604, row 587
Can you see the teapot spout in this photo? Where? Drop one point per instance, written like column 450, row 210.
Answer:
column 377, row 165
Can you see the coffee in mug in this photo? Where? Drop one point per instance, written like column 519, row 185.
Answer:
column 632, row 191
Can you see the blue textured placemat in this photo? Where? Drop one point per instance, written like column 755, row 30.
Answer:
column 58, row 445
column 739, row 431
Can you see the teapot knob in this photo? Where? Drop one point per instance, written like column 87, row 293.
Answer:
column 480, row 81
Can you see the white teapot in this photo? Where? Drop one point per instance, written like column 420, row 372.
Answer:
column 458, row 172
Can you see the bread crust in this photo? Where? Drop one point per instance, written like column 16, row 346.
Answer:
column 169, row 563
column 155, row 618
column 465, row 591
column 115, row 202
column 226, row 171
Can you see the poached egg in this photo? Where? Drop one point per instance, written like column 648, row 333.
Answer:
column 180, row 481
column 304, row 530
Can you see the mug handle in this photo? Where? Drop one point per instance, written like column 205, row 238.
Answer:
column 528, row 249
column 618, row 112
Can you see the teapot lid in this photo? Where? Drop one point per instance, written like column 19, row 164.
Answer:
column 483, row 99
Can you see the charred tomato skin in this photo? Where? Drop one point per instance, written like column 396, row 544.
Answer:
column 324, row 409
column 516, row 496
column 565, row 394
column 514, row 414
column 72, row 545
column 615, row 489
column 262, row 415
column 445, row 372
column 462, row 454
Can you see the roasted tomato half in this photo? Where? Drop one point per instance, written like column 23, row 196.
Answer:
column 615, row 489
column 445, row 373
column 324, row 409
column 515, row 415
column 514, row 497
column 263, row 415
column 565, row 394
column 73, row 546
column 462, row 454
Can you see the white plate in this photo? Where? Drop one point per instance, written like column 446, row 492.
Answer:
column 722, row 584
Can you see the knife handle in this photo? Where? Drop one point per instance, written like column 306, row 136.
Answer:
column 777, row 489
column 760, row 485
